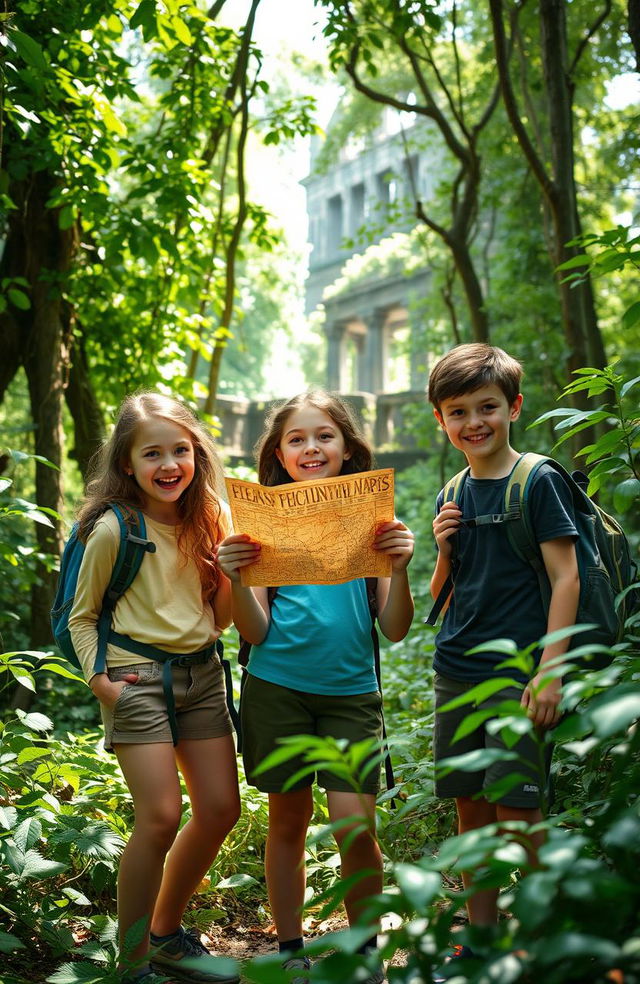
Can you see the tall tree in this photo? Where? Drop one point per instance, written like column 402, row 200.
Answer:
column 123, row 209
column 436, row 82
column 555, row 172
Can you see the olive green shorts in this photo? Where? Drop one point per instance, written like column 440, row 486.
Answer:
column 269, row 712
column 140, row 714
column 531, row 763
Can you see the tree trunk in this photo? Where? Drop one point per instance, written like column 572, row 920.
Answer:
column 47, row 253
column 88, row 420
column 578, row 312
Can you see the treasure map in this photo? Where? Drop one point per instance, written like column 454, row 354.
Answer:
column 318, row 532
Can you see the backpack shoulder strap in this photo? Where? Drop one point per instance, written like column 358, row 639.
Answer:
column 371, row 584
column 451, row 492
column 452, row 489
column 517, row 493
column 133, row 546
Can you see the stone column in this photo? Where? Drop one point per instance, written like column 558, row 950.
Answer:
column 374, row 357
column 335, row 340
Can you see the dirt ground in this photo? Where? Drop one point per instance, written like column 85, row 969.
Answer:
column 240, row 938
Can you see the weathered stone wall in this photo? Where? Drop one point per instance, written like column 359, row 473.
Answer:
column 391, row 421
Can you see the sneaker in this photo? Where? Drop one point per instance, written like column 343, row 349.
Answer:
column 458, row 952
column 187, row 959
column 298, row 963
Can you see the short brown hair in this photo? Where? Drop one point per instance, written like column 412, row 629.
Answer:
column 271, row 472
column 468, row 367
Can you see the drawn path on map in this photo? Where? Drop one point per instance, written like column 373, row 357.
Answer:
column 318, row 532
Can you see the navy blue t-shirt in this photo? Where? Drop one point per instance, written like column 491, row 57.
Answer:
column 496, row 595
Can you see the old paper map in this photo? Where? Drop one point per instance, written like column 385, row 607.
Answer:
column 318, row 532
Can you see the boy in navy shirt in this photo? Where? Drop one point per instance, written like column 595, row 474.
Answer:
column 475, row 392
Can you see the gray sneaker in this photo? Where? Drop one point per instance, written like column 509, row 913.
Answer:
column 298, row 963
column 185, row 958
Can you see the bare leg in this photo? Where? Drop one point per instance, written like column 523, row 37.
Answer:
column 362, row 852
column 289, row 817
column 531, row 842
column 211, row 778
column 151, row 775
column 482, row 906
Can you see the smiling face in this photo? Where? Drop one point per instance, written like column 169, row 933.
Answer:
column 162, row 462
column 478, row 423
column 311, row 445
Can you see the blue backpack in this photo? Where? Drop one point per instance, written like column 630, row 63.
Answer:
column 605, row 565
column 133, row 547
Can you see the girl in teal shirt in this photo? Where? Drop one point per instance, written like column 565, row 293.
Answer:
column 311, row 669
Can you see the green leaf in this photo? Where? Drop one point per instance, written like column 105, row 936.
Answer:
column 238, row 880
column 625, row 494
column 19, row 299
column 419, row 887
column 39, row 868
column 31, row 753
column 27, row 834
column 479, row 758
column 631, row 316
column 182, row 31
column 23, row 677
column 82, row 972
column 615, row 713
column 9, row 943
column 630, row 382
column 482, row 690
column 581, row 260
column 8, row 817
column 66, row 216
column 62, row 671
column 29, row 50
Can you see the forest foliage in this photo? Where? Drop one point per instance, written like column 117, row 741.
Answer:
column 132, row 252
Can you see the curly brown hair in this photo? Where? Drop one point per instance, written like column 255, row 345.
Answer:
column 271, row 472
column 199, row 507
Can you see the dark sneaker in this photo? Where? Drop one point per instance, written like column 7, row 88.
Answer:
column 298, row 963
column 458, row 952
column 185, row 958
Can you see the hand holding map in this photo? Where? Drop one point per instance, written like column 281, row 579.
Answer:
column 317, row 532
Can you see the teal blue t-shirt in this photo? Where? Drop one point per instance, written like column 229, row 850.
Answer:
column 319, row 640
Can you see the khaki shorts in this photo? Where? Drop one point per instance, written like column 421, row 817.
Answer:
column 140, row 714
column 532, row 765
column 269, row 712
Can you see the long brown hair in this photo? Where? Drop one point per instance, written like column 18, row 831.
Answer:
column 199, row 505
column 271, row 472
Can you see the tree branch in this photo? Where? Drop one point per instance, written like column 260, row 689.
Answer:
column 590, row 33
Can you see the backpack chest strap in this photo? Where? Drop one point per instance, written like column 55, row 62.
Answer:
column 491, row 519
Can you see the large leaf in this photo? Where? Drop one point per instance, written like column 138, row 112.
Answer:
column 82, row 972
column 38, row 868
column 420, row 887
column 238, row 880
column 27, row 834
column 29, row 49
column 9, row 943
